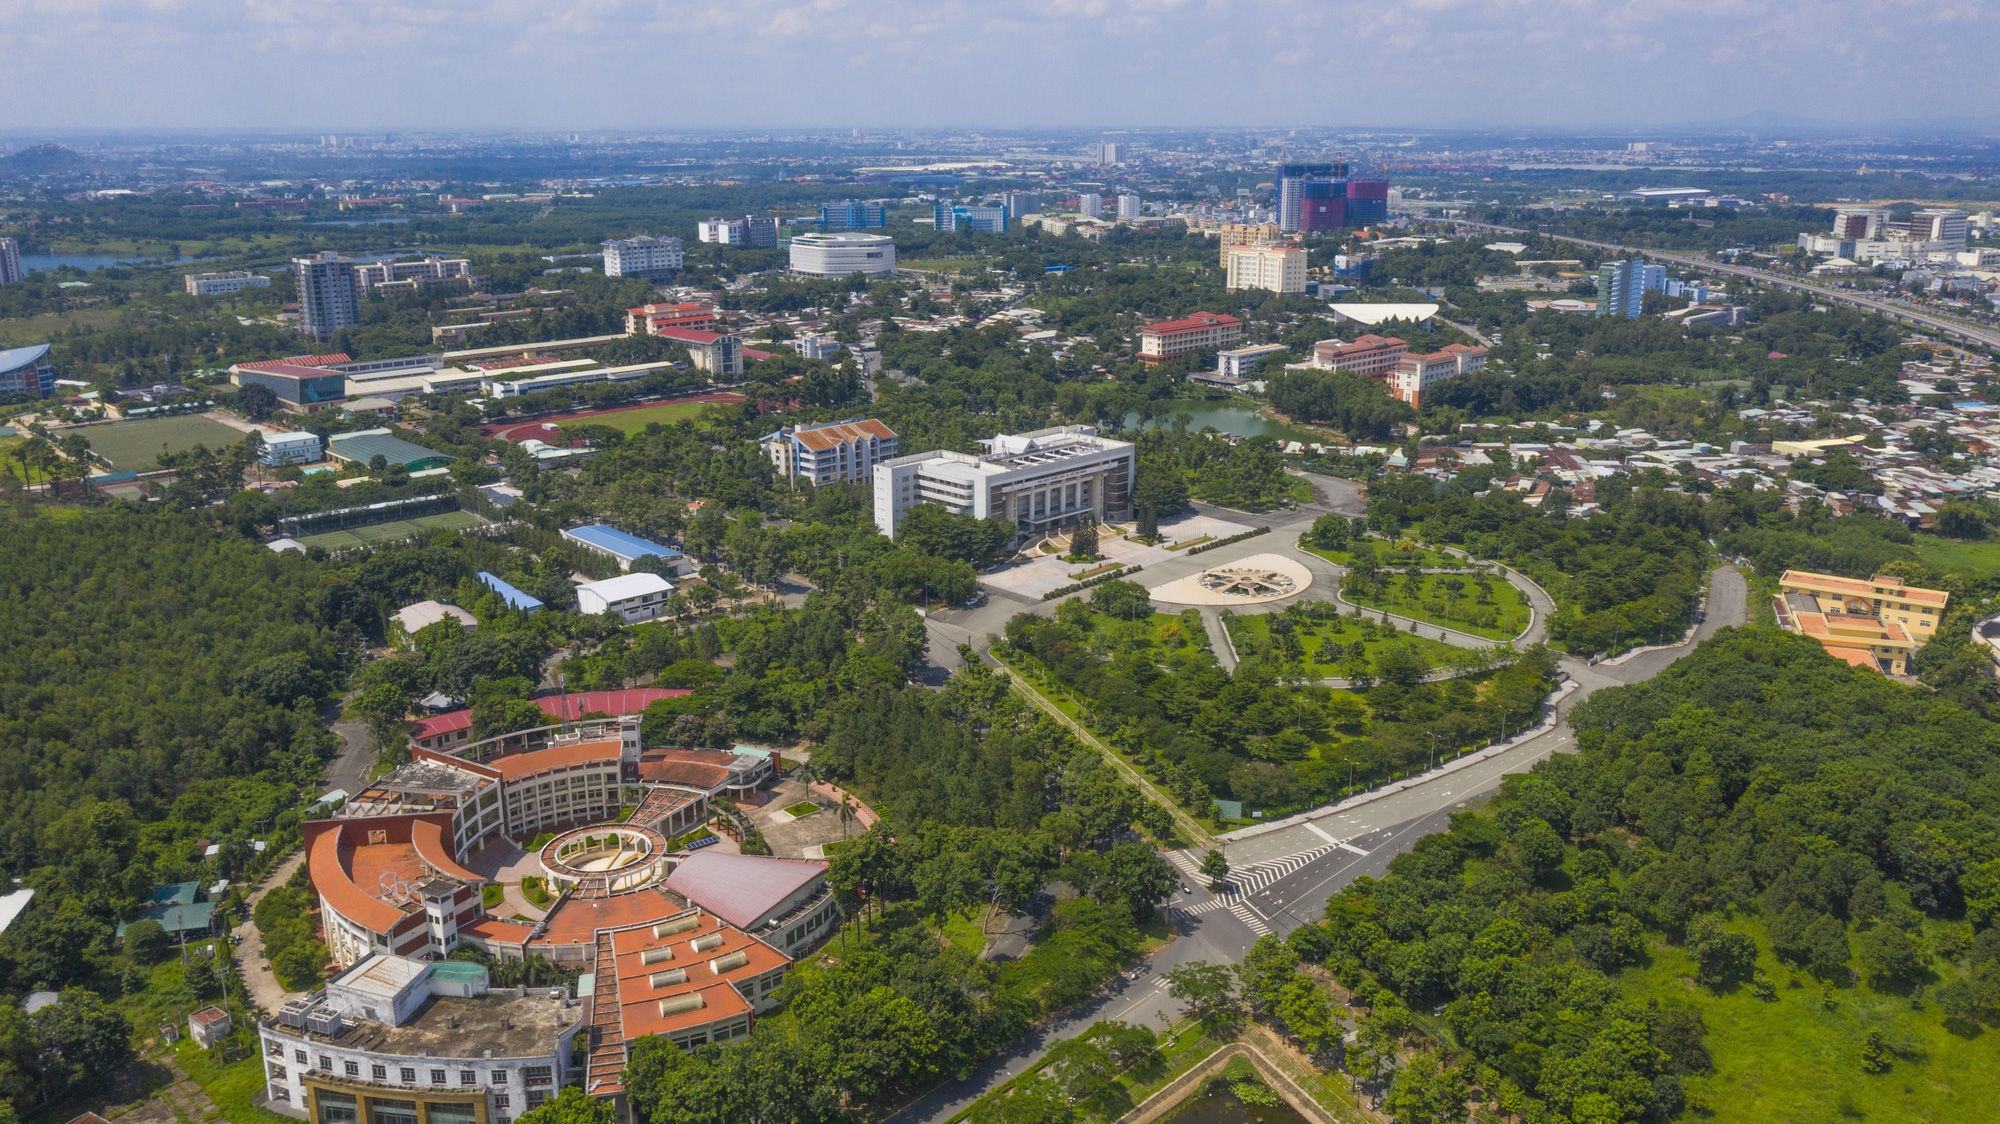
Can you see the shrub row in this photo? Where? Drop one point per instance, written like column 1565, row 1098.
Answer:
column 1066, row 590
column 1249, row 534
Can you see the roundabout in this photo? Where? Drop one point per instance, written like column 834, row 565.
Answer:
column 1256, row 580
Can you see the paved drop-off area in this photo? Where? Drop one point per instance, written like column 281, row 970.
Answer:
column 1189, row 590
column 1033, row 576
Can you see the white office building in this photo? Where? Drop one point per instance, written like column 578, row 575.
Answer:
column 233, row 281
column 1038, row 482
column 1280, row 269
column 841, row 253
column 329, row 298
column 654, row 259
column 1128, row 206
column 393, row 1037
column 635, row 597
column 1091, row 205
column 290, row 448
column 830, row 452
column 759, row 232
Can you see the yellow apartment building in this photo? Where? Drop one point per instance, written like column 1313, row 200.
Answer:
column 1878, row 623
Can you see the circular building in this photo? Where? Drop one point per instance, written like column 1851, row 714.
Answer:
column 607, row 859
column 843, row 254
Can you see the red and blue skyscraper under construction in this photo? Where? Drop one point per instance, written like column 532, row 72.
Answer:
column 1323, row 197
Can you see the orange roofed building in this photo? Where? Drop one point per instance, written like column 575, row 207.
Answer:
column 1878, row 624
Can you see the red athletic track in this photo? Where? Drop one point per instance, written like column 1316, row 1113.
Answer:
column 521, row 431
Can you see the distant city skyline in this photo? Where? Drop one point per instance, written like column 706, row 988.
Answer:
column 787, row 64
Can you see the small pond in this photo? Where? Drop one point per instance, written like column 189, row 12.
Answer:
column 1218, row 1102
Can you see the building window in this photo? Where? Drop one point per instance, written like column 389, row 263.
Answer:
column 326, row 1063
column 394, row 1112
column 437, row 1077
column 533, row 1075
column 467, row 1077
column 335, row 1108
column 535, row 1099
column 409, row 1075
column 299, row 1056
column 502, row 1100
column 353, row 1068
column 278, row 1072
column 379, row 1072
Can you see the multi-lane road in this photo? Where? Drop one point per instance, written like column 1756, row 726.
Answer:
column 1282, row 878
column 1984, row 337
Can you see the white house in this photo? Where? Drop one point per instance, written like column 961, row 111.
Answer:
column 635, row 597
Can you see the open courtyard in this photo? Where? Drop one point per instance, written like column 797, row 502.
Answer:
column 1033, row 574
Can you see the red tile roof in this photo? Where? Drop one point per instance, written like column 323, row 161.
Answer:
column 295, row 361
column 828, row 436
column 560, row 708
column 696, row 768
column 1195, row 323
column 517, row 765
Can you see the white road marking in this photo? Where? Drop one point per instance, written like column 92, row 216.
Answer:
column 1353, row 848
column 1315, row 829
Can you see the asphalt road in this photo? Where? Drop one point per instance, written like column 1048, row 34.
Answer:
column 1985, row 337
column 1282, row 879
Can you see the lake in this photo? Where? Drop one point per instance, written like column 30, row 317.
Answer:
column 1234, row 417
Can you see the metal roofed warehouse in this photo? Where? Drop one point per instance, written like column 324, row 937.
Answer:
column 363, row 446
column 627, row 549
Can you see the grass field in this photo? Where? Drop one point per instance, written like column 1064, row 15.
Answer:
column 1433, row 605
column 1792, row 1061
column 134, row 446
column 634, row 421
column 393, row 531
column 1973, row 559
column 1248, row 632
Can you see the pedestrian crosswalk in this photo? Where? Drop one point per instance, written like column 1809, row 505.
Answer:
column 1250, row 919
column 1185, row 861
column 1256, row 876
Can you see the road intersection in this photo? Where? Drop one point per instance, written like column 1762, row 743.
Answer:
column 1283, row 875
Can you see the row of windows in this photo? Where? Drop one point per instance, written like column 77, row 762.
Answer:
column 531, row 1076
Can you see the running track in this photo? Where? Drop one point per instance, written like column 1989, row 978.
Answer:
column 521, row 431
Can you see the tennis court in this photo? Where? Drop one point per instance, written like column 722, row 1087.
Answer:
column 134, row 446
column 395, row 530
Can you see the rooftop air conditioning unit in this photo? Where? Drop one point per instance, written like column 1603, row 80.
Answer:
column 324, row 1020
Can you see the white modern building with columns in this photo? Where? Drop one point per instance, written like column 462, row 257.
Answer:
column 1039, row 482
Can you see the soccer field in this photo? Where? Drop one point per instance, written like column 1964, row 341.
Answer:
column 135, row 446
column 395, row 530
column 635, row 421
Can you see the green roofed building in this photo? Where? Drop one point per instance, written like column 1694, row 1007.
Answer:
column 173, row 905
column 363, row 446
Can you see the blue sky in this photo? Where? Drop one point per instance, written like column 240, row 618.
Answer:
column 672, row 64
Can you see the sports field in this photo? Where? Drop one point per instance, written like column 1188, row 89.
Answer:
column 634, row 421
column 393, row 531
column 631, row 419
column 134, row 446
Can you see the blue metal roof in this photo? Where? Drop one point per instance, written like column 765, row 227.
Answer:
column 514, row 598
column 614, row 541
column 18, row 357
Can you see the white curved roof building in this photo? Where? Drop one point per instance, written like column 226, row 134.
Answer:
column 842, row 254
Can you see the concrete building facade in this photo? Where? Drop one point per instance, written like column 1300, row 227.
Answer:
column 1171, row 339
column 646, row 257
column 829, row 452
column 842, row 254
column 329, row 296
column 1036, row 482
column 1278, row 269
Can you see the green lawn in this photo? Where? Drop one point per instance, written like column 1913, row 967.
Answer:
column 1394, row 558
column 1251, row 632
column 1433, row 605
column 802, row 808
column 1793, row 1062
column 1973, row 559
column 948, row 265
column 634, row 421
column 396, row 530
column 132, row 446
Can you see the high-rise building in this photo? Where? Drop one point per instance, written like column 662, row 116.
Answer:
column 1128, row 206
column 1367, row 201
column 1292, row 181
column 758, row 232
column 647, row 257
column 1280, row 269
column 10, row 261
column 329, row 297
column 1858, row 223
column 852, row 215
column 1021, row 204
column 1621, row 287
column 1111, row 153
column 1938, row 225
column 976, row 220
column 1091, row 205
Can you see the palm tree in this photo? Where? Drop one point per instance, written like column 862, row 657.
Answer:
column 847, row 814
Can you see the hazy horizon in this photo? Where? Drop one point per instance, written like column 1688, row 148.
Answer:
column 1192, row 64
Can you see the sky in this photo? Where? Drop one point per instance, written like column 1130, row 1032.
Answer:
column 722, row 64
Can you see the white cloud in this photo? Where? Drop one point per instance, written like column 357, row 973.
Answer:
column 776, row 62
